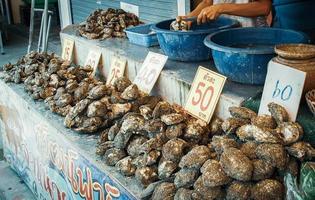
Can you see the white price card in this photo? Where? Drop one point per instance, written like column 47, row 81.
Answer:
column 93, row 59
column 150, row 71
column 117, row 70
column 67, row 49
column 204, row 94
column 284, row 86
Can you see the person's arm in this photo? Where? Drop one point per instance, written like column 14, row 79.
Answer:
column 200, row 7
column 253, row 9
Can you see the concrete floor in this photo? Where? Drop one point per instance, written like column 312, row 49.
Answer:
column 11, row 186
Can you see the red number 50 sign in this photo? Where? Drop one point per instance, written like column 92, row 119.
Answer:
column 204, row 94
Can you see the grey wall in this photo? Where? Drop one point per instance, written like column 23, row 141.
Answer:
column 149, row 10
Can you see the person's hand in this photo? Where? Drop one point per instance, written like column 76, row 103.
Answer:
column 209, row 13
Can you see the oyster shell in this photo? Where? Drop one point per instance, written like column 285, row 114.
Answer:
column 90, row 125
column 301, row 150
column 166, row 168
column 96, row 109
column 130, row 93
column 252, row 132
column 267, row 189
column 113, row 155
column 103, row 147
column 146, row 175
column 231, row 124
column 220, row 143
column 185, row 178
column 175, row 131
column 146, row 112
column 98, row 92
column 119, row 110
column 151, row 144
column 249, row 149
column 171, row 119
column 75, row 111
column 262, row 170
column 274, row 154
column 164, row 191
column 264, row 121
column 112, row 132
column 236, row 164
column 183, row 194
column 103, row 136
column 162, row 108
column 152, row 157
column 126, row 167
column 203, row 192
column 134, row 145
column 195, row 158
column 290, row 132
column 64, row 100
column 81, row 92
column 242, row 112
column 238, row 191
column 121, row 83
column 194, row 132
column 216, row 126
column 154, row 127
column 174, row 149
column 213, row 174
column 278, row 112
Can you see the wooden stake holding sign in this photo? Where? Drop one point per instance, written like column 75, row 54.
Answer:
column 117, row 70
column 284, row 86
column 93, row 60
column 150, row 71
column 67, row 49
column 204, row 94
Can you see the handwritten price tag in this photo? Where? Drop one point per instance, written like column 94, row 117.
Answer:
column 93, row 59
column 67, row 49
column 204, row 94
column 117, row 70
column 284, row 86
column 150, row 71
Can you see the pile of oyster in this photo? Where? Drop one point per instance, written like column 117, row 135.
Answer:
column 102, row 24
column 174, row 156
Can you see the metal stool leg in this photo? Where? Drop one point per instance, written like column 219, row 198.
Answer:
column 1, row 44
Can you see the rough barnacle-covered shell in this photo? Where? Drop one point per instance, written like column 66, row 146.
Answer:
column 242, row 112
column 90, row 125
column 175, row 131
column 174, row 149
column 126, row 167
column 220, row 143
column 267, row 189
column 146, row 112
column 262, row 170
column 213, row 174
column 150, row 101
column 274, row 154
column 171, row 119
column 81, row 92
column 152, row 157
column 47, row 92
column 264, row 121
column 63, row 111
column 112, row 132
column 60, row 91
column 185, row 178
column 103, row 136
column 301, row 150
column 194, row 132
column 98, row 92
column 146, row 175
column 183, row 194
column 139, row 161
column 162, row 108
column 164, row 191
column 216, row 126
column 195, row 157
column 251, row 132
column 119, row 110
column 96, row 109
column 166, row 168
column 290, row 132
column 154, row 127
column 238, row 191
column 102, row 148
column 203, row 192
column 130, row 93
column 236, row 164
column 151, row 144
column 71, row 85
column 134, row 145
column 231, row 124
column 121, row 83
column 249, row 149
column 54, row 81
column 64, row 100
column 75, row 111
column 113, row 155
column 278, row 112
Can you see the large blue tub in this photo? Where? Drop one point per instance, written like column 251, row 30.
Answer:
column 242, row 54
column 188, row 45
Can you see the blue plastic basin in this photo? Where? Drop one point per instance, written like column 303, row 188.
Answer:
column 242, row 54
column 142, row 35
column 188, row 45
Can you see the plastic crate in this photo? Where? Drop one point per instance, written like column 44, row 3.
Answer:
column 142, row 35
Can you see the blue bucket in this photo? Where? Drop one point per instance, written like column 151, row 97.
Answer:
column 188, row 45
column 242, row 54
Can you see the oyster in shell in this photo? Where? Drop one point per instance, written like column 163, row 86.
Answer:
column 238, row 191
column 252, row 132
column 81, row 92
column 249, row 149
column 134, row 145
column 174, row 149
column 103, row 147
column 267, row 189
column 183, row 194
column 96, row 109
column 290, row 132
column 126, row 167
column 98, row 92
column 236, row 164
column 195, row 158
column 130, row 93
column 152, row 157
column 220, row 143
column 112, row 132
column 75, row 111
column 121, row 83
column 175, row 131
column 146, row 112
column 103, row 136
column 278, row 112
column 216, row 126
column 262, row 170
column 119, row 110
column 171, row 119
column 242, row 112
column 154, row 127
column 275, row 154
column 166, row 168
column 162, row 108
column 64, row 100
column 231, row 124
column 264, row 121
column 164, row 191
column 151, row 144
column 203, row 192
column 146, row 175
column 194, row 132
column 213, row 174
column 113, row 155
column 90, row 125
column 301, row 150
column 185, row 178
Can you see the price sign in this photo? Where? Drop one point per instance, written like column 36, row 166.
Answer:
column 284, row 86
column 117, row 70
column 67, row 49
column 150, row 71
column 204, row 94
column 93, row 59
